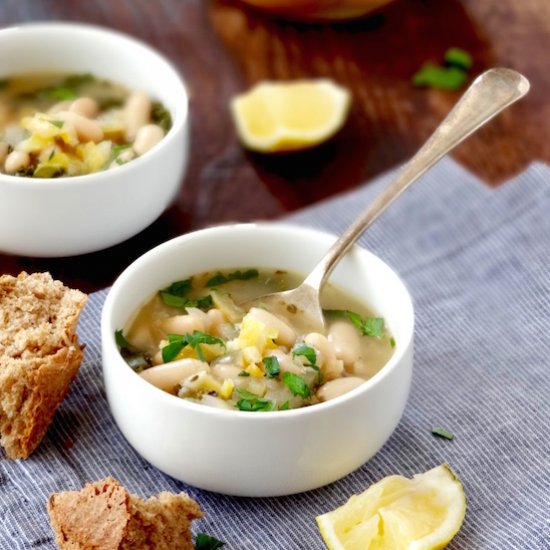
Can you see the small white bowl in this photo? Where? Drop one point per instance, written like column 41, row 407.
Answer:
column 76, row 215
column 268, row 453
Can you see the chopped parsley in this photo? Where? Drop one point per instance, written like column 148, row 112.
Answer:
column 303, row 350
column 175, row 295
column 306, row 351
column 296, row 384
column 253, row 403
column 176, row 342
column 56, row 123
column 442, row 432
column 392, row 342
column 59, row 93
column 272, row 366
column 457, row 57
column 285, row 406
column 238, row 275
column 367, row 326
column 206, row 542
column 451, row 75
column 161, row 116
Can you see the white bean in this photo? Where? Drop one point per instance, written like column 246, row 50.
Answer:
column 15, row 161
column 137, row 112
column 330, row 366
column 60, row 106
column 86, row 129
column 285, row 333
column 182, row 324
column 216, row 319
column 169, row 375
column 346, row 342
column 4, row 148
column 337, row 387
column 363, row 368
column 85, row 106
column 226, row 371
column 147, row 137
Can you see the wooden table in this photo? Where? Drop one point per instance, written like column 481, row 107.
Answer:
column 223, row 48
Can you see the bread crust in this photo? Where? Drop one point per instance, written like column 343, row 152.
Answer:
column 39, row 356
column 103, row 515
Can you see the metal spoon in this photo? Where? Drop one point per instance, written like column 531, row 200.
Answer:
column 489, row 94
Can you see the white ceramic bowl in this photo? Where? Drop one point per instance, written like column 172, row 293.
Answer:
column 76, row 215
column 257, row 454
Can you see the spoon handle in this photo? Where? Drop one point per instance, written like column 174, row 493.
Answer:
column 490, row 93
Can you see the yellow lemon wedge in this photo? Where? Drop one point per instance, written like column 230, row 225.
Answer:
column 397, row 513
column 288, row 116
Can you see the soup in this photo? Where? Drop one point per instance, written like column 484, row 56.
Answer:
column 193, row 340
column 57, row 124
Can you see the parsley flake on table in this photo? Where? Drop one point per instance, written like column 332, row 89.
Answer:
column 442, row 432
column 451, row 75
column 207, row 542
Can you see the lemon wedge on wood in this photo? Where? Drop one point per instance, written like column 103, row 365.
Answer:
column 398, row 513
column 288, row 116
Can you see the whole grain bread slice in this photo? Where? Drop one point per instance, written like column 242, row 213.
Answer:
column 103, row 515
column 39, row 356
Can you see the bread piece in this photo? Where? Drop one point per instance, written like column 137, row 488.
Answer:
column 103, row 515
column 39, row 356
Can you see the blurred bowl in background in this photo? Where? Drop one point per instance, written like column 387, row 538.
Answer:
column 72, row 215
column 318, row 10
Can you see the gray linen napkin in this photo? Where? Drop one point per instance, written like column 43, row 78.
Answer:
column 476, row 262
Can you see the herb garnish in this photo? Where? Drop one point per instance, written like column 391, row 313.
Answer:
column 175, row 296
column 251, row 402
column 442, row 432
column 272, row 366
column 285, row 406
column 206, row 542
column 296, row 384
column 244, row 374
column 161, row 116
column 135, row 358
column 56, row 123
column 305, row 351
column 311, row 356
column 457, row 57
column 60, row 93
column 238, row 275
column 367, row 326
column 392, row 342
column 449, row 76
column 176, row 342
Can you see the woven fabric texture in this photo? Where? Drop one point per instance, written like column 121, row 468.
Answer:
column 476, row 262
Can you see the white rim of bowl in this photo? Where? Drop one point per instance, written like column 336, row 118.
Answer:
column 178, row 123
column 267, row 416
